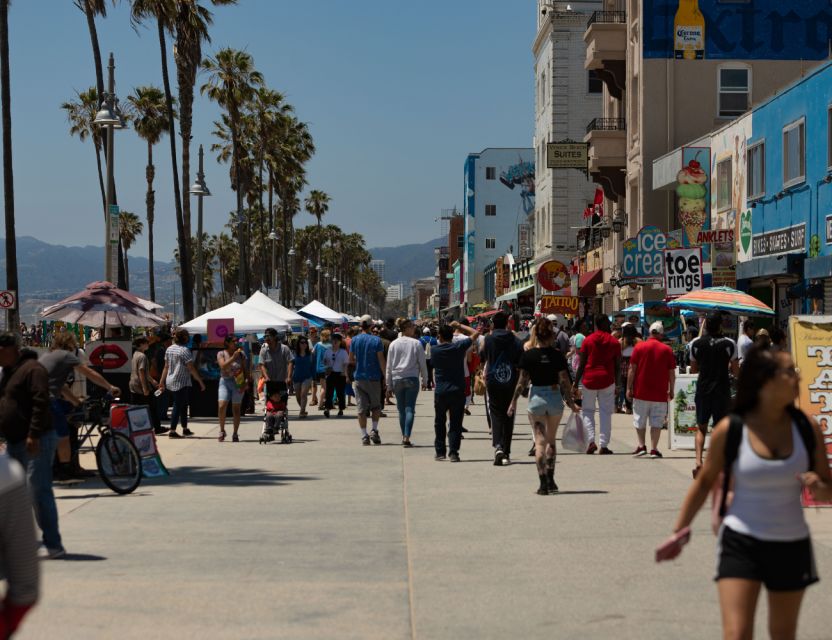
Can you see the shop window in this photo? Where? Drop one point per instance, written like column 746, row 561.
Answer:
column 734, row 91
column 724, row 183
column 491, row 209
column 794, row 153
column 460, row 242
column 491, row 243
column 755, row 170
column 491, row 173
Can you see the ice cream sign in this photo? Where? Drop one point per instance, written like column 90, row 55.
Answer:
column 643, row 256
column 692, row 190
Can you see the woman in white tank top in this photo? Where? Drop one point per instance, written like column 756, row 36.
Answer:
column 764, row 539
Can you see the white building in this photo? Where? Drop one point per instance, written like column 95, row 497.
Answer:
column 567, row 97
column 378, row 266
column 395, row 292
column 499, row 196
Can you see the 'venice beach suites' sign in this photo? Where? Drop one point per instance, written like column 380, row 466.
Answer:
column 786, row 240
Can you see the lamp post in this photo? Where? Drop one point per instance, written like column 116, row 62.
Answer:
column 273, row 238
column 308, row 280
column 200, row 190
column 318, row 280
column 291, row 277
column 110, row 117
column 326, row 288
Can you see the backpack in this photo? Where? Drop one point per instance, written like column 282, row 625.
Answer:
column 721, row 494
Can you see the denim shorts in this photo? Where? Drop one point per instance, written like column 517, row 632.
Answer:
column 228, row 391
column 545, row 401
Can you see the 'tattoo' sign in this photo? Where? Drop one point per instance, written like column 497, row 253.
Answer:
column 682, row 271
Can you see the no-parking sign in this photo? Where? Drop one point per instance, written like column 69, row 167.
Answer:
column 682, row 271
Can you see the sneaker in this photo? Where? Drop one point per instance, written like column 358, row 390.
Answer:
column 326, row 413
column 340, row 413
column 552, row 486
column 605, row 451
column 173, row 434
column 221, row 437
column 235, row 438
column 499, row 456
column 467, row 412
column 640, row 452
column 45, row 553
column 655, row 453
column 506, row 461
column 464, row 430
column 382, row 415
column 454, row 457
column 532, row 451
column 187, row 432
column 440, row 457
column 375, row 437
column 592, row 448
column 159, row 431
column 365, row 441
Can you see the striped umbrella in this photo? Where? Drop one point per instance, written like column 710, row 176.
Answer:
column 722, row 299
column 101, row 304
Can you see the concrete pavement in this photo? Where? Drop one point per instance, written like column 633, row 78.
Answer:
column 325, row 538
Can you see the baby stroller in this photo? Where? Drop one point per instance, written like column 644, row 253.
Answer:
column 276, row 417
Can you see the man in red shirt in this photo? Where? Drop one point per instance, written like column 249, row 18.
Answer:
column 650, row 382
column 599, row 369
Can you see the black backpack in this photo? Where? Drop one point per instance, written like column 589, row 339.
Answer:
column 732, row 448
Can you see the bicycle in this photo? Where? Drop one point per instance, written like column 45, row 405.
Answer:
column 116, row 457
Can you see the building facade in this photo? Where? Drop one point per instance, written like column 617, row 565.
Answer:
column 499, row 188
column 378, row 266
column 660, row 93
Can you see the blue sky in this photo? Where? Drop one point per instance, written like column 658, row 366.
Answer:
column 395, row 93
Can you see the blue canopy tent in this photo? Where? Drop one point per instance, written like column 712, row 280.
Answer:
column 639, row 309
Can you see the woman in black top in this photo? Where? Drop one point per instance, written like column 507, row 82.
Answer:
column 545, row 367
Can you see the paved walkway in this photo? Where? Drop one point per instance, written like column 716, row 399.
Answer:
column 325, row 538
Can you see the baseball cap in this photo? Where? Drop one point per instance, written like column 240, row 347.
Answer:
column 426, row 331
column 657, row 327
column 366, row 320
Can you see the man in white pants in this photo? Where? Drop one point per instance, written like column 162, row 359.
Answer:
column 599, row 370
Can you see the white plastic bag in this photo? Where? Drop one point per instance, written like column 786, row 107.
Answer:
column 574, row 437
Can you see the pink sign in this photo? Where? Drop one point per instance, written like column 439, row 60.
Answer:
column 219, row 328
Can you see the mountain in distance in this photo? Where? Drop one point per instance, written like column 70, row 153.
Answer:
column 408, row 262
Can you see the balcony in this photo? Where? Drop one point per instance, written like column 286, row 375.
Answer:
column 607, row 138
column 606, row 49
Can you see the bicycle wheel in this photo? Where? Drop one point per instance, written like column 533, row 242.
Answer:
column 118, row 462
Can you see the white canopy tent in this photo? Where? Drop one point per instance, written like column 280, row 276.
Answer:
column 319, row 310
column 262, row 302
column 246, row 320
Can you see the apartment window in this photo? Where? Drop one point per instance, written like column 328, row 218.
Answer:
column 460, row 241
column 491, row 173
column 794, row 153
column 734, row 91
column 491, row 209
column 542, row 90
column 724, row 183
column 755, row 170
column 491, row 243
column 594, row 82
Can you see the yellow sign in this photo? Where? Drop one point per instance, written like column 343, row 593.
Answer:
column 565, row 305
column 812, row 352
column 567, row 155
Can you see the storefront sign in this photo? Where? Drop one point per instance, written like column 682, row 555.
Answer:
column 567, row 155
column 565, row 305
column 785, row 240
column 643, row 261
column 219, row 329
column 682, row 271
column 682, row 416
column 828, row 229
column 811, row 340
column 111, row 356
column 524, row 240
column 745, row 235
column 715, row 235
column 554, row 276
column 724, row 265
column 499, row 283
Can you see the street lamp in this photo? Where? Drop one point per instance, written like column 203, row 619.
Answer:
column 318, row 280
column 619, row 220
column 291, row 277
column 200, row 190
column 110, row 116
column 308, row 280
column 273, row 238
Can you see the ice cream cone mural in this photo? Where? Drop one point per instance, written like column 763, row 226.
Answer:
column 692, row 190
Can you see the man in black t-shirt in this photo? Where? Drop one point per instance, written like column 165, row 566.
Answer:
column 712, row 356
column 501, row 354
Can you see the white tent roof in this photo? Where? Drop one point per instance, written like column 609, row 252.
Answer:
column 323, row 312
column 262, row 302
column 246, row 319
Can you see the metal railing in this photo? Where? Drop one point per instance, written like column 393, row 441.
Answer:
column 607, row 17
column 607, row 124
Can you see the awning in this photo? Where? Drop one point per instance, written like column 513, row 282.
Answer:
column 512, row 295
column 769, row 266
column 487, row 314
column 587, row 282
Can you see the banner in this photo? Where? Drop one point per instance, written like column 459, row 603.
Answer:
column 682, row 271
column 811, row 340
column 219, row 328
column 110, row 357
column 682, row 415
column 643, row 256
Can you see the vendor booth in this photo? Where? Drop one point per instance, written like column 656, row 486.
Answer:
column 318, row 311
column 262, row 302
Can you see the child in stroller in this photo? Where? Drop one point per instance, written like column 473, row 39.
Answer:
column 276, row 420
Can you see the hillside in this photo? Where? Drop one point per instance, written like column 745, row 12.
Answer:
column 408, row 262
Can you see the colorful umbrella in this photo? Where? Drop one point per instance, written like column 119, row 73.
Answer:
column 722, row 299
column 102, row 304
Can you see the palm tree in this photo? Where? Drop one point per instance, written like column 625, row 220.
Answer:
column 91, row 9
column 81, row 115
column 129, row 228
column 150, row 117
column 317, row 204
column 13, row 315
column 231, row 82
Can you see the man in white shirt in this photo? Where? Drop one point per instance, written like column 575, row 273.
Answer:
column 336, row 361
column 746, row 339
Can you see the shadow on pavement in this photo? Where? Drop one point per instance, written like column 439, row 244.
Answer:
column 581, row 493
column 81, row 557
column 225, row 477
column 104, row 493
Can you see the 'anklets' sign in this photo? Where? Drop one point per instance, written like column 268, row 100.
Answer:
column 643, row 256
column 811, row 338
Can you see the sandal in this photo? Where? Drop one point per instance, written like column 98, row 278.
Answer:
column 235, row 438
column 221, row 437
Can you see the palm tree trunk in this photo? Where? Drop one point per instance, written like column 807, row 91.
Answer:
column 185, row 275
column 101, row 179
column 150, row 201
column 96, row 50
column 12, row 315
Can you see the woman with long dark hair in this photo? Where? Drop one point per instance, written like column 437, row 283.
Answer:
column 629, row 339
column 303, row 373
column 233, row 380
column 763, row 538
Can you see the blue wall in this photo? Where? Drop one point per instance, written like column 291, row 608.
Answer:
column 811, row 201
column 760, row 30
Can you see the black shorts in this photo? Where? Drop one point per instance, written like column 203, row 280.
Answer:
column 712, row 405
column 780, row 566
